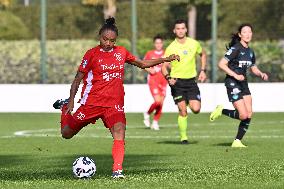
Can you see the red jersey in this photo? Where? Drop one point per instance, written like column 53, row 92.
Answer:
column 157, row 76
column 104, row 74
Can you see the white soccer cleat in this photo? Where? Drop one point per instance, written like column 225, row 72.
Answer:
column 155, row 126
column 146, row 120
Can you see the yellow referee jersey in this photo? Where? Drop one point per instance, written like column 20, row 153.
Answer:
column 186, row 68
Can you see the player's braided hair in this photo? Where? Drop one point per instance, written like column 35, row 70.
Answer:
column 235, row 36
column 109, row 25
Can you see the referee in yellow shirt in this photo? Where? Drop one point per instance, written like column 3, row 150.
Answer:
column 181, row 75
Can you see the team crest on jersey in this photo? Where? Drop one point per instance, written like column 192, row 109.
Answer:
column 118, row 56
column 250, row 54
column 81, row 116
column 85, row 62
column 185, row 52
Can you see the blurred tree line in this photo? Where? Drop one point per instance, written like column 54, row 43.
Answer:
column 76, row 19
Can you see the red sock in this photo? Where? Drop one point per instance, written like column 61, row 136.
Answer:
column 117, row 154
column 152, row 107
column 158, row 112
column 64, row 117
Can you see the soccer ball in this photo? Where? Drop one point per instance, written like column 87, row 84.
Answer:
column 84, row 167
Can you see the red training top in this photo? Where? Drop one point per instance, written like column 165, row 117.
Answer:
column 157, row 76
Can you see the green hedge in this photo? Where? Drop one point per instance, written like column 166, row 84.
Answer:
column 20, row 60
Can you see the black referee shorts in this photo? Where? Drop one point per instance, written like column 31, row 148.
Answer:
column 185, row 90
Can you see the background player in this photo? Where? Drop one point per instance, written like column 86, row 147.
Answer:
column 102, row 72
column 157, row 84
column 181, row 77
column 238, row 59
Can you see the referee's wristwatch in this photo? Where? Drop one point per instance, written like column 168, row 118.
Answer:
column 203, row 70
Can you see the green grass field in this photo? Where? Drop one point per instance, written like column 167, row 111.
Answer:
column 33, row 155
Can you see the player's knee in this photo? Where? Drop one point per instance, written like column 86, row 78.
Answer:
column 158, row 103
column 244, row 116
column 67, row 133
column 119, row 128
column 250, row 114
column 195, row 110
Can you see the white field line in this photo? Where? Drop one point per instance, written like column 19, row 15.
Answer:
column 208, row 124
column 195, row 134
column 23, row 134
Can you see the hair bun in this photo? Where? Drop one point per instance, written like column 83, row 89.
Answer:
column 110, row 21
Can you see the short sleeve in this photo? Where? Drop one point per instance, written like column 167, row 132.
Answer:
column 252, row 59
column 86, row 64
column 231, row 54
column 129, row 57
column 147, row 56
column 198, row 48
column 167, row 52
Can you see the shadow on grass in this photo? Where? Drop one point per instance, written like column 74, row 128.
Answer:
column 226, row 144
column 41, row 167
column 177, row 142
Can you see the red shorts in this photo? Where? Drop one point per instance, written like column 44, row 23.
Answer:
column 158, row 88
column 90, row 114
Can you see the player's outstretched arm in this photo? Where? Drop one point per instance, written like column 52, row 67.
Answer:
column 257, row 72
column 153, row 62
column 74, row 88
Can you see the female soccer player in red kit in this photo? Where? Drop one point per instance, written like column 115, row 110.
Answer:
column 102, row 72
column 157, row 84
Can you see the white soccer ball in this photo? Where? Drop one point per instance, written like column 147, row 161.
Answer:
column 84, row 167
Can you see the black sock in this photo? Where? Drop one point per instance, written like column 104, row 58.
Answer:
column 231, row 113
column 243, row 127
